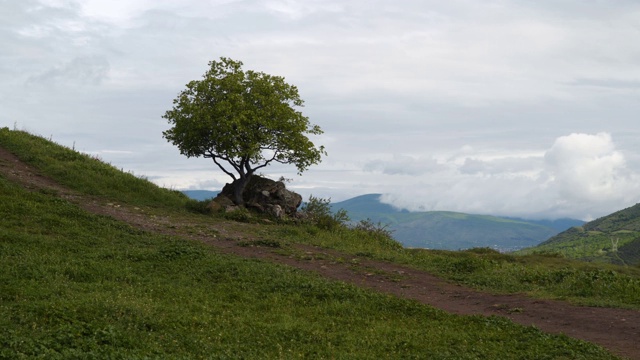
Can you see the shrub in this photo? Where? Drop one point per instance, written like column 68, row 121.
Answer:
column 240, row 214
column 198, row 207
column 318, row 212
column 483, row 250
column 374, row 228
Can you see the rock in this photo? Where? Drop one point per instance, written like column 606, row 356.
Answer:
column 264, row 195
column 276, row 210
column 220, row 203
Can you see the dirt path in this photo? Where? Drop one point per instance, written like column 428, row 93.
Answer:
column 615, row 329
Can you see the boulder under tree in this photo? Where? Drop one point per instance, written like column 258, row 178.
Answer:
column 263, row 195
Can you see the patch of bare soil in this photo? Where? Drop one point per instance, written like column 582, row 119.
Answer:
column 614, row 329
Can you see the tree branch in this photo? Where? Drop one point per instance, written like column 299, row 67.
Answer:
column 223, row 169
column 275, row 154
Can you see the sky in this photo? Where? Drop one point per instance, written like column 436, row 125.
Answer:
column 515, row 107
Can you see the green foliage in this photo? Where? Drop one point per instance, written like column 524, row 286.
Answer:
column 244, row 118
column 199, row 207
column 76, row 285
column 483, row 250
column 318, row 211
column 240, row 214
column 378, row 228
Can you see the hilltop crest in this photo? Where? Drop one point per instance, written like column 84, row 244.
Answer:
column 614, row 238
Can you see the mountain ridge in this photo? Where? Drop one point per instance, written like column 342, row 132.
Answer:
column 200, row 195
column 450, row 230
column 614, row 238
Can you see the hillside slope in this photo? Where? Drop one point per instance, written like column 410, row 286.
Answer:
column 614, row 238
column 450, row 230
column 89, row 272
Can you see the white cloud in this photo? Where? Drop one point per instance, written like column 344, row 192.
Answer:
column 296, row 10
column 588, row 168
column 580, row 175
column 403, row 165
column 85, row 70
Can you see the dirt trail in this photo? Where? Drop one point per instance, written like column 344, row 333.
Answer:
column 615, row 329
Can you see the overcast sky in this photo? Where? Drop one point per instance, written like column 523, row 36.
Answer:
column 515, row 107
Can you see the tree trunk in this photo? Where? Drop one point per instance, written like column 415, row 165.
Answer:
column 238, row 189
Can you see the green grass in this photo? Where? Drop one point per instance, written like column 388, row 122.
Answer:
column 544, row 276
column 87, row 174
column 540, row 276
column 77, row 285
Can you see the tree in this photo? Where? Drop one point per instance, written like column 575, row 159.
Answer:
column 243, row 121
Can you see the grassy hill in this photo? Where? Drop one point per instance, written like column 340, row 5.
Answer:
column 451, row 230
column 76, row 285
column 613, row 239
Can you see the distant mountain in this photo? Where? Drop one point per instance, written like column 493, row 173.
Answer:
column 200, row 195
column 613, row 238
column 451, row 230
column 366, row 204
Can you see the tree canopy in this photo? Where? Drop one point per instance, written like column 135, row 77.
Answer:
column 243, row 121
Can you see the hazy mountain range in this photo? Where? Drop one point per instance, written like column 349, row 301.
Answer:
column 452, row 230
column 201, row 195
column 444, row 229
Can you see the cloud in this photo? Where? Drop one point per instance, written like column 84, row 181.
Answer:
column 580, row 175
column 588, row 167
column 85, row 70
column 525, row 165
column 403, row 165
column 621, row 84
column 296, row 10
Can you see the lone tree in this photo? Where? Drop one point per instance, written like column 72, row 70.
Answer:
column 243, row 121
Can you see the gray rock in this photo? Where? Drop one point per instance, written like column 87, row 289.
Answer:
column 265, row 195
